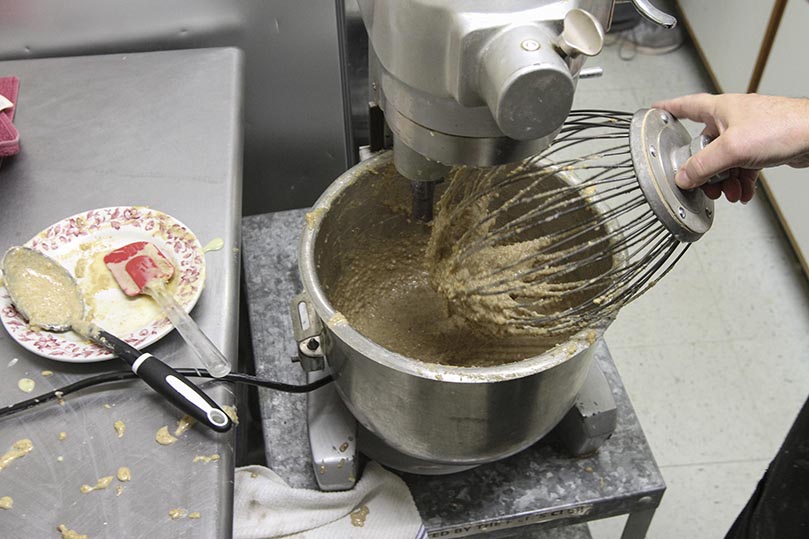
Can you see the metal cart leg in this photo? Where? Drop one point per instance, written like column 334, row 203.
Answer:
column 637, row 524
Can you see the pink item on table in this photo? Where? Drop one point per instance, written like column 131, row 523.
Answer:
column 10, row 87
column 9, row 136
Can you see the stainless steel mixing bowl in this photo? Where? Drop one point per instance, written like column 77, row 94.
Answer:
column 436, row 413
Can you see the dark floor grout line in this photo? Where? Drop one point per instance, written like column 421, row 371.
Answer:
column 657, row 345
column 714, row 463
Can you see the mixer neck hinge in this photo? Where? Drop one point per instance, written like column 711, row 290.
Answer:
column 310, row 355
column 308, row 331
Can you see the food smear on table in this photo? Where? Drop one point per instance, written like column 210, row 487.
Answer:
column 26, row 385
column 207, row 459
column 177, row 513
column 70, row 534
column 6, row 502
column 164, row 437
column 184, row 424
column 124, row 474
column 232, row 413
column 19, row 449
column 213, row 245
column 101, row 484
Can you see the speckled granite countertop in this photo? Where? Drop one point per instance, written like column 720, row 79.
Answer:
column 540, row 484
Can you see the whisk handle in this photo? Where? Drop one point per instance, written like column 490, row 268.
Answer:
column 699, row 142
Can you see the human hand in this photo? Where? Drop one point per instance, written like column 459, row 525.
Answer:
column 750, row 132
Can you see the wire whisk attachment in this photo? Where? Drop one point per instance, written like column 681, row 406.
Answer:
column 563, row 240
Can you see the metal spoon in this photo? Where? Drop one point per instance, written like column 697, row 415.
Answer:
column 46, row 295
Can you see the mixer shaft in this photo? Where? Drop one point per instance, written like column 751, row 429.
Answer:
column 423, row 197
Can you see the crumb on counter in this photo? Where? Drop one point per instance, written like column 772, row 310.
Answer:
column 231, row 412
column 358, row 516
column 124, row 474
column 101, row 484
column 18, row 450
column 213, row 245
column 184, row 424
column 163, row 437
column 70, row 534
column 178, row 513
column 206, row 459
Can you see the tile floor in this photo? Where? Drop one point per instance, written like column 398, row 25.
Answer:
column 716, row 357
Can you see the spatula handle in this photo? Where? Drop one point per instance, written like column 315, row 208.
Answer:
column 169, row 383
column 203, row 348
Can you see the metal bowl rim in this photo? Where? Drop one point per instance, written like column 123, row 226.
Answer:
column 576, row 344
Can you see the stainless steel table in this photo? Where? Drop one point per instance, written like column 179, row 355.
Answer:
column 163, row 130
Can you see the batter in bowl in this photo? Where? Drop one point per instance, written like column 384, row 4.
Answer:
column 379, row 280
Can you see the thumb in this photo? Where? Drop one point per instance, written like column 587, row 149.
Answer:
column 716, row 157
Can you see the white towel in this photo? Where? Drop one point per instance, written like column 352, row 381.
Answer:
column 379, row 505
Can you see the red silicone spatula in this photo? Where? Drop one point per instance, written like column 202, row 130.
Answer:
column 140, row 268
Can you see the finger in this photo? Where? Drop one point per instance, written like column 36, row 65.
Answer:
column 748, row 182
column 696, row 107
column 711, row 130
column 750, row 174
column 732, row 188
column 713, row 190
column 714, row 158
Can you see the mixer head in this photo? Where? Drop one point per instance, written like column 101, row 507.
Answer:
column 475, row 83
column 478, row 82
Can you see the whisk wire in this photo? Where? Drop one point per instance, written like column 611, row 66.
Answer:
column 558, row 239
column 539, row 251
column 568, row 197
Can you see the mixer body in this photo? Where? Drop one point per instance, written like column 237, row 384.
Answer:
column 477, row 83
column 428, row 411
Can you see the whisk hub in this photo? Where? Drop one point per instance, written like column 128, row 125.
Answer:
column 660, row 144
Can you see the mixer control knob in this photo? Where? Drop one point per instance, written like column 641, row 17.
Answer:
column 582, row 34
column 525, row 83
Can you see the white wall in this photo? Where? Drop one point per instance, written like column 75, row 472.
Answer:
column 787, row 73
column 729, row 33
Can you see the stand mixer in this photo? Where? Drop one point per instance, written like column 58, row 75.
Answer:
column 477, row 83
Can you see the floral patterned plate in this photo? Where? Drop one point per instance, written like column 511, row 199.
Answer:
column 79, row 243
